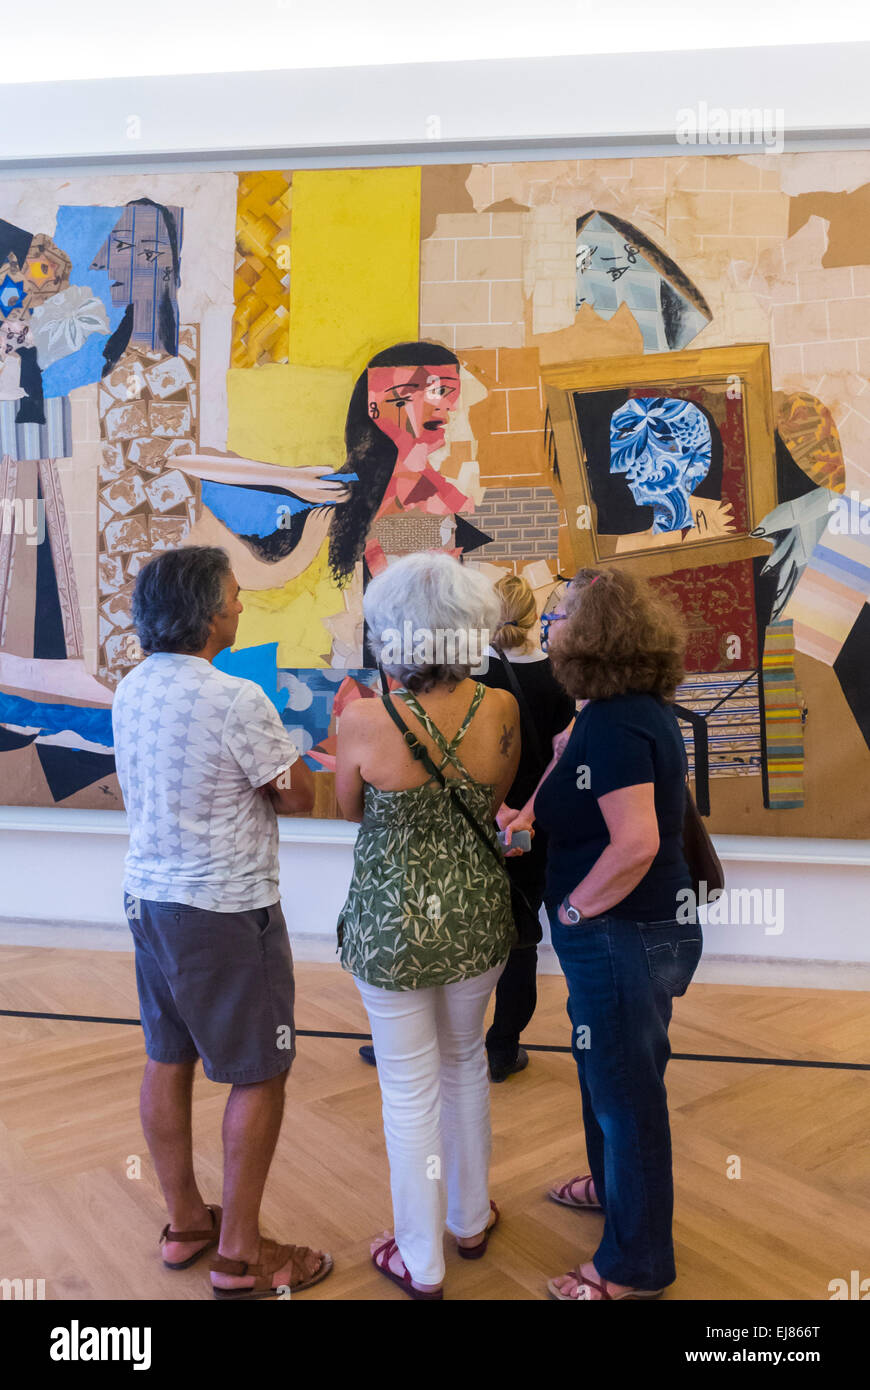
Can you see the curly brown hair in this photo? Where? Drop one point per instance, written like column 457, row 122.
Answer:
column 619, row 635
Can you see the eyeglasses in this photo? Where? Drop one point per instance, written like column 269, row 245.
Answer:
column 547, row 619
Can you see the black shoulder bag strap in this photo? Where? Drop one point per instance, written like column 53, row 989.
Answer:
column 530, row 732
column 701, row 741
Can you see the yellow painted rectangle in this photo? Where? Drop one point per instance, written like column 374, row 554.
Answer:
column 288, row 414
column 355, row 257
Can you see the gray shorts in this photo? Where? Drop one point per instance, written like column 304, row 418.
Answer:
column 215, row 985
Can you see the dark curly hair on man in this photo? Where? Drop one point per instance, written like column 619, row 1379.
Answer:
column 175, row 597
column 619, row 636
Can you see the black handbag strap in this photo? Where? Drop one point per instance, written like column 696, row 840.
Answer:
column 530, row 733
column 701, row 741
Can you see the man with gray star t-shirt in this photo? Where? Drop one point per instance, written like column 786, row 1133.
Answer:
column 204, row 763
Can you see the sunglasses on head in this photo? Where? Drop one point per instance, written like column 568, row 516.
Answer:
column 547, row 619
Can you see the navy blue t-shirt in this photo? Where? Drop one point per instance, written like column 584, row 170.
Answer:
column 622, row 742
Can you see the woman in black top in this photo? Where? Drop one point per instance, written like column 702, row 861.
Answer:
column 517, row 664
column 617, row 894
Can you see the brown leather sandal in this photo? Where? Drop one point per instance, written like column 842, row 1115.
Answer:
column 272, row 1258
column 601, row 1284
column 212, row 1236
column 381, row 1261
column 565, row 1195
column 477, row 1252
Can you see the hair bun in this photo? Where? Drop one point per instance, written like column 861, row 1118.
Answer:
column 509, row 635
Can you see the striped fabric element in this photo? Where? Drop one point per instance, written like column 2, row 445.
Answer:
column 729, row 704
column 783, row 725
column 51, row 440
column 834, row 586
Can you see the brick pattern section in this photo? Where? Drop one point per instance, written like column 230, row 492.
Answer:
column 550, row 275
column 819, row 318
column 509, row 423
column 523, row 523
column 471, row 280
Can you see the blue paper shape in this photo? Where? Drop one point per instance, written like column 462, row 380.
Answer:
column 248, row 511
column 80, row 232
column 11, row 294
column 257, row 664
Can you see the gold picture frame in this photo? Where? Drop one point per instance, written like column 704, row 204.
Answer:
column 744, row 369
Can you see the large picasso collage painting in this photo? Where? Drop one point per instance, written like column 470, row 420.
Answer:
column 661, row 364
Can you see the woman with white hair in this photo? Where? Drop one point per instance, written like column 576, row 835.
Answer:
column 427, row 925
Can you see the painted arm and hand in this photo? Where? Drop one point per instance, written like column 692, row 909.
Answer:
column 630, row 816
column 315, row 484
column 251, row 571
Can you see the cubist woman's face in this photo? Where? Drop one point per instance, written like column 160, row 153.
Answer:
column 413, row 404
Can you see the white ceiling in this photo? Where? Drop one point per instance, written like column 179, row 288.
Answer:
column 57, row 40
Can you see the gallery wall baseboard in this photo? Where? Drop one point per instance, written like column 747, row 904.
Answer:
column 788, row 899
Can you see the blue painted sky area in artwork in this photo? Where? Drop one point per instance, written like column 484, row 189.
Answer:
column 311, row 693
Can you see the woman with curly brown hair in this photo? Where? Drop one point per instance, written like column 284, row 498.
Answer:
column 613, row 805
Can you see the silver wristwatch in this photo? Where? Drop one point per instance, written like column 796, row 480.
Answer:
column 573, row 913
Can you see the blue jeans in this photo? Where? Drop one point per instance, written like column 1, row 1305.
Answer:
column 622, row 977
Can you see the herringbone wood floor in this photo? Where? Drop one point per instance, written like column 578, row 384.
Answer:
column 798, row 1216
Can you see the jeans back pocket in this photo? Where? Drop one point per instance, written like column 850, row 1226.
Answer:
column 673, row 950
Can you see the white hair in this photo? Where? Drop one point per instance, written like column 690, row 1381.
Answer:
column 430, row 619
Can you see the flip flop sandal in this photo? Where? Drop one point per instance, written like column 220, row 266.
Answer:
column 565, row 1196
column 477, row 1252
column 212, row 1236
column 272, row 1257
column 602, row 1287
column 387, row 1251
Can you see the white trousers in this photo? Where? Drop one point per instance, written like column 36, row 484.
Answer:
column 435, row 1098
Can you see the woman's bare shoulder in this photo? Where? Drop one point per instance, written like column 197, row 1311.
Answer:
column 501, row 704
column 359, row 715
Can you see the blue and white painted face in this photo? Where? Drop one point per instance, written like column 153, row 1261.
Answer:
column 664, row 447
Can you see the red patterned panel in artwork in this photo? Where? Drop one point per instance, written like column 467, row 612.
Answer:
column 718, row 603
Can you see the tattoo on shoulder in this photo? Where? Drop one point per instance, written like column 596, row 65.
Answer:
column 506, row 739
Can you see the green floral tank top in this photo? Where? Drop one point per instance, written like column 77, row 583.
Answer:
column 428, row 904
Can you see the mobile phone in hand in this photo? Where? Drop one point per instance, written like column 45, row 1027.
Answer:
column 521, row 840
